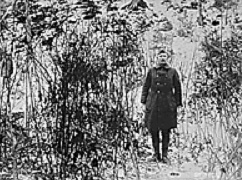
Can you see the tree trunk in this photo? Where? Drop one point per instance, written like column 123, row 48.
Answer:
column 200, row 17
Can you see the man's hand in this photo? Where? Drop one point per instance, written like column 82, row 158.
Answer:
column 143, row 107
column 180, row 110
column 179, row 107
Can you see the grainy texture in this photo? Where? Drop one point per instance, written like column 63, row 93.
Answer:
column 161, row 104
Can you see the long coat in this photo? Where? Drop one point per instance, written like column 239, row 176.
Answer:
column 161, row 106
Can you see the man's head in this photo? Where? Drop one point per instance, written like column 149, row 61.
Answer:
column 162, row 57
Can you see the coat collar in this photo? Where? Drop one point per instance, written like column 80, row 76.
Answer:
column 166, row 67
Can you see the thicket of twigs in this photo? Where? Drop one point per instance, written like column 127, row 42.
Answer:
column 216, row 101
column 77, row 71
column 75, row 75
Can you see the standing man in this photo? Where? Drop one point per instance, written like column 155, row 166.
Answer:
column 161, row 95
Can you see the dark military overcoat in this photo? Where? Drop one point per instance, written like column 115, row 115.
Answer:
column 161, row 105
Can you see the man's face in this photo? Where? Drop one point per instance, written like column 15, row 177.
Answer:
column 161, row 59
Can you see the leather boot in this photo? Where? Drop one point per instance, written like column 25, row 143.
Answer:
column 164, row 156
column 156, row 146
column 165, row 144
column 157, row 152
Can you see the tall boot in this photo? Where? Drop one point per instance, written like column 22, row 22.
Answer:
column 157, row 152
column 165, row 144
column 156, row 145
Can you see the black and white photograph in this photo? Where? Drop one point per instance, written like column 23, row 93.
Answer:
column 120, row 89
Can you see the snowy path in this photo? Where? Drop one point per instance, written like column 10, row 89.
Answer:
column 188, row 171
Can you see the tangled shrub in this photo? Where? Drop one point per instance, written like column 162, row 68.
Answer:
column 218, row 75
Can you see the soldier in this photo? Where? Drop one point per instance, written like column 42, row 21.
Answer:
column 161, row 96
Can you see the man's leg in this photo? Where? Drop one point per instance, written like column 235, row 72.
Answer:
column 165, row 143
column 156, row 143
